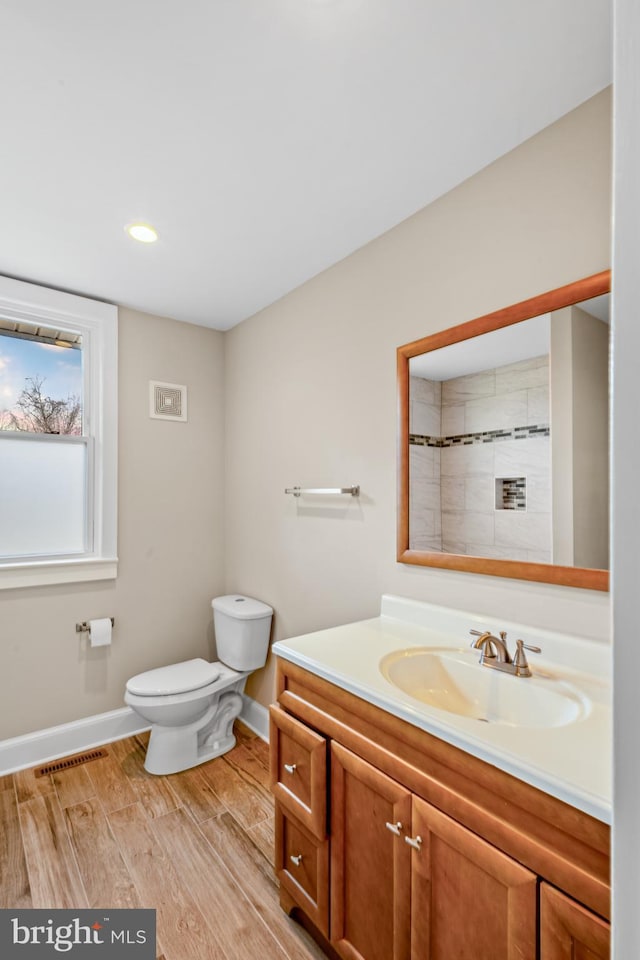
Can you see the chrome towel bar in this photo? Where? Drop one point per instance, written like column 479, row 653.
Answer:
column 354, row 490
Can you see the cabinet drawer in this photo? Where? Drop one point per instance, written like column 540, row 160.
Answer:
column 298, row 763
column 302, row 867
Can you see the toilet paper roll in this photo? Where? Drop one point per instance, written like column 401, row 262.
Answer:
column 100, row 632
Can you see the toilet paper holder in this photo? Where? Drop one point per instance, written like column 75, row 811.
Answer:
column 85, row 626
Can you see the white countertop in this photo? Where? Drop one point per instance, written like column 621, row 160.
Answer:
column 570, row 762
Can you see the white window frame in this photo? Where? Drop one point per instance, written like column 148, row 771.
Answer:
column 97, row 323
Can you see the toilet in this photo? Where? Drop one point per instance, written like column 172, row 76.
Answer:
column 191, row 705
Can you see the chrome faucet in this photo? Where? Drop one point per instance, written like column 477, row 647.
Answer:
column 495, row 653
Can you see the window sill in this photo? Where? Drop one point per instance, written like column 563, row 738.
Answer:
column 39, row 573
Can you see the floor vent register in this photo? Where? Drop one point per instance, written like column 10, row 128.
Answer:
column 57, row 766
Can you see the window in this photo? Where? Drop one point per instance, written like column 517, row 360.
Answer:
column 58, row 419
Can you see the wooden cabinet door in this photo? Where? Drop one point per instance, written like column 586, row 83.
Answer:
column 468, row 899
column 569, row 931
column 370, row 862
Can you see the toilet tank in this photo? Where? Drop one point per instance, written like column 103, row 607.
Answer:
column 242, row 627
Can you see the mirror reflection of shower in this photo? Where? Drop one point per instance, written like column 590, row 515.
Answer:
column 508, row 453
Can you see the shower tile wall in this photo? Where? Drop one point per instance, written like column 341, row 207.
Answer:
column 516, row 395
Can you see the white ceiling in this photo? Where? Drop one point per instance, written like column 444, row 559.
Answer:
column 265, row 139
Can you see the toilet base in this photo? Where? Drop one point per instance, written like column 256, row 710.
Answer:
column 172, row 749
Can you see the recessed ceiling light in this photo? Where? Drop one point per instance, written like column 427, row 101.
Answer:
column 143, row 232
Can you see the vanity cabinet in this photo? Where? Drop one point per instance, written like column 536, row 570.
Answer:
column 408, row 848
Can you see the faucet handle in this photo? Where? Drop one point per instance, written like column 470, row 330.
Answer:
column 529, row 646
column 520, row 662
column 479, row 633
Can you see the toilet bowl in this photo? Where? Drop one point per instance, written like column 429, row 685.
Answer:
column 192, row 705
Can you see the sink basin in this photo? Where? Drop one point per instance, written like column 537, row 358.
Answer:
column 454, row 681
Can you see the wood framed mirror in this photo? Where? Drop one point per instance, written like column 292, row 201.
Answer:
column 503, row 445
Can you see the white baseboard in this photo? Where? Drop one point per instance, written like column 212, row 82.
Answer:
column 42, row 746
column 256, row 717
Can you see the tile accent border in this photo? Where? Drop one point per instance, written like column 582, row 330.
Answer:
column 529, row 432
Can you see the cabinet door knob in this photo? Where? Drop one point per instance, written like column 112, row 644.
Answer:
column 415, row 842
column 394, row 827
column 296, row 860
column 290, row 767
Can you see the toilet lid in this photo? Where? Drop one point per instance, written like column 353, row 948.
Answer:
column 176, row 678
column 242, row 608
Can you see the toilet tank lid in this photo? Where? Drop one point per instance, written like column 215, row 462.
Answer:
column 241, row 608
column 176, row 678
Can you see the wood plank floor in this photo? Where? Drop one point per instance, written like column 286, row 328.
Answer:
column 196, row 846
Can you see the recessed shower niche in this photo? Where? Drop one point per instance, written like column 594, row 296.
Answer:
column 511, row 493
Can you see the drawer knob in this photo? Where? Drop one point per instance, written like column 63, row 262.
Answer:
column 394, row 827
column 296, row 860
column 415, row 842
column 290, row 767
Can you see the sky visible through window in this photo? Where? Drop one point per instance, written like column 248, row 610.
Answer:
column 23, row 362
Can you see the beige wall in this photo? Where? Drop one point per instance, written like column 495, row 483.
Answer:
column 561, row 379
column 591, row 441
column 311, row 388
column 169, row 543
column 580, row 438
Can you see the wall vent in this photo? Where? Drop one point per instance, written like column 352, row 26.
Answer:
column 167, row 401
column 57, row 766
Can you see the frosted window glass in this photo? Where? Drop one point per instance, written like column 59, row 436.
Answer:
column 42, row 497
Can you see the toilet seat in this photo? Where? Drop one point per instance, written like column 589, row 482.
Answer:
column 174, row 679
